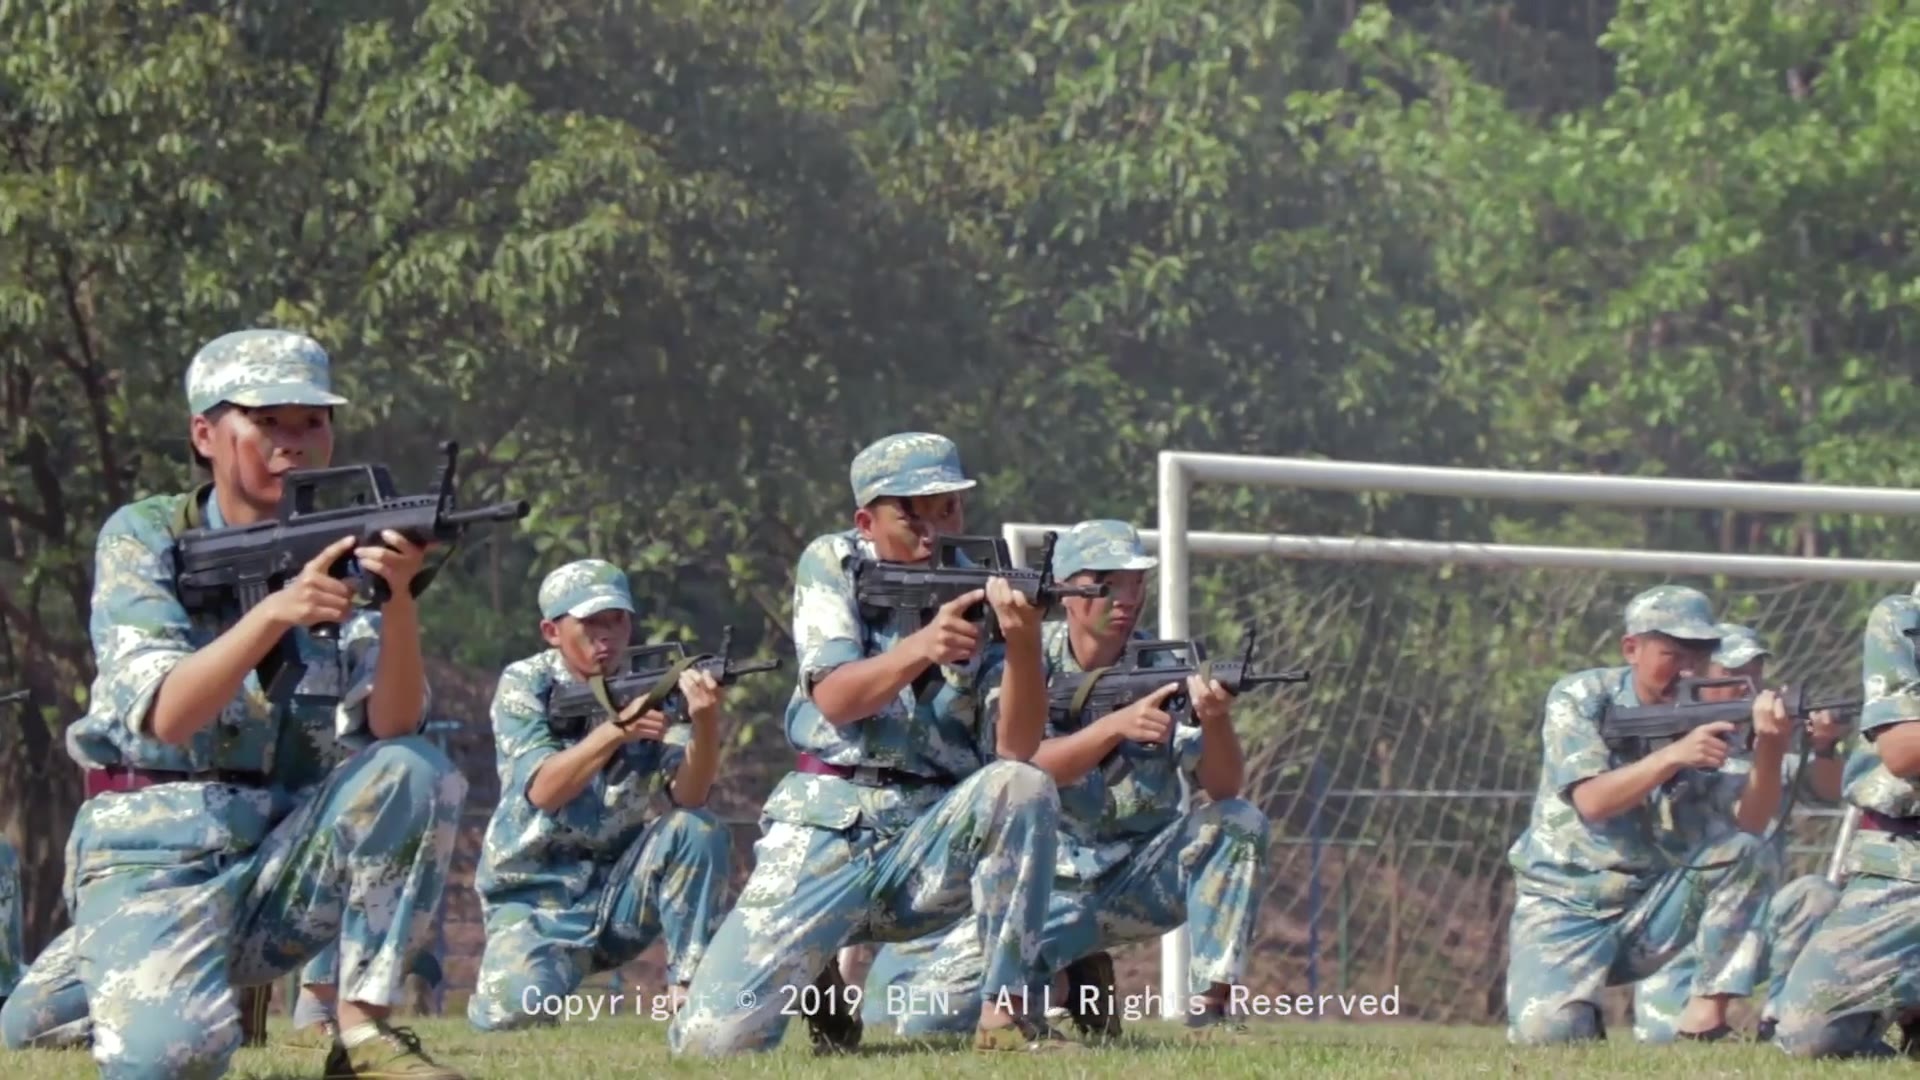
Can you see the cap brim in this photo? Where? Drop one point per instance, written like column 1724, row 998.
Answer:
column 932, row 487
column 1740, row 657
column 264, row 397
column 589, row 608
column 1698, row 633
column 1138, row 562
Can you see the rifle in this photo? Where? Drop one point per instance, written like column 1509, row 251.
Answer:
column 1077, row 699
column 226, row 572
column 890, row 586
column 12, row 697
column 647, row 671
column 1639, row 730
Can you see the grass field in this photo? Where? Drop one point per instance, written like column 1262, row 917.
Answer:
column 625, row 1047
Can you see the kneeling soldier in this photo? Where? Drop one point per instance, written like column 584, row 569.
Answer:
column 578, row 873
column 1132, row 863
column 1625, row 861
column 1861, row 970
column 218, row 848
column 1792, row 910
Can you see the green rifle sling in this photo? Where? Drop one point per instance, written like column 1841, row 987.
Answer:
column 657, row 696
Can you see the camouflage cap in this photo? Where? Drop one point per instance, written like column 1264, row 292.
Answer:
column 585, row 587
column 1100, row 545
column 258, row 368
column 907, row 464
column 1739, row 646
column 1673, row 610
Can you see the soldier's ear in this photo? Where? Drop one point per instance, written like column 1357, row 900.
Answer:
column 864, row 519
column 1629, row 647
column 550, row 632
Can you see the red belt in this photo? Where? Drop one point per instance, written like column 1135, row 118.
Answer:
column 867, row 775
column 1897, row 826
column 122, row 778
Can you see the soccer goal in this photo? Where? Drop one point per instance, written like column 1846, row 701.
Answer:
column 1398, row 777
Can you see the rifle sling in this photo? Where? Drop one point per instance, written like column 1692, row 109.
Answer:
column 657, row 695
column 1085, row 690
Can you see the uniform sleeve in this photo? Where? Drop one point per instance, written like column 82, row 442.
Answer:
column 673, row 749
column 987, row 687
column 140, row 630
column 1892, row 678
column 1186, row 748
column 826, row 617
column 360, row 659
column 1570, row 735
column 521, row 737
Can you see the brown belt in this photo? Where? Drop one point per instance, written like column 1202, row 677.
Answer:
column 122, row 778
column 1897, row 826
column 865, row 775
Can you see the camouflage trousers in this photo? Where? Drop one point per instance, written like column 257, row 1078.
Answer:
column 1786, row 924
column 12, row 920
column 1860, row 971
column 1207, row 866
column 667, row 884
column 166, row 924
column 986, row 849
column 1562, row 957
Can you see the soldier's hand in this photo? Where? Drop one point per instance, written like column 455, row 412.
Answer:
column 1019, row 618
column 1211, row 702
column 1770, row 720
column 1145, row 721
column 636, row 726
column 703, row 694
column 1705, row 747
column 315, row 596
column 949, row 638
column 1824, row 729
column 397, row 563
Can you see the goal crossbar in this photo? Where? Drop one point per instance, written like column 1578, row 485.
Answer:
column 1179, row 471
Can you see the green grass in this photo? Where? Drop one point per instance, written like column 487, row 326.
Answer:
column 626, row 1046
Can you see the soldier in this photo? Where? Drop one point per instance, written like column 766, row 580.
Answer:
column 1624, row 861
column 1132, row 865
column 1861, row 970
column 1791, row 912
column 12, row 921
column 897, row 820
column 578, row 873
column 216, row 849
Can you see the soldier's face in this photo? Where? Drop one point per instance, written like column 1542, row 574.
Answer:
column 1753, row 670
column 904, row 529
column 252, row 450
column 1659, row 661
column 592, row 644
column 1112, row 615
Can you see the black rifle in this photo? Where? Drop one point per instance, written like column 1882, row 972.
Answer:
column 910, row 587
column 1641, row 729
column 13, row 697
column 1077, row 699
column 226, row 572
column 647, row 671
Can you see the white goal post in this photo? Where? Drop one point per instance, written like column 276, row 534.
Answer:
column 1176, row 542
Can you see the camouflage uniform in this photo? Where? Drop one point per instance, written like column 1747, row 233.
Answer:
column 185, row 889
column 11, row 920
column 1786, row 923
column 1608, row 903
column 588, row 888
column 927, row 829
column 1133, row 863
column 1862, row 967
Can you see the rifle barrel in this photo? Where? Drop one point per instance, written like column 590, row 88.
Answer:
column 748, row 669
column 507, row 511
column 1297, row 675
